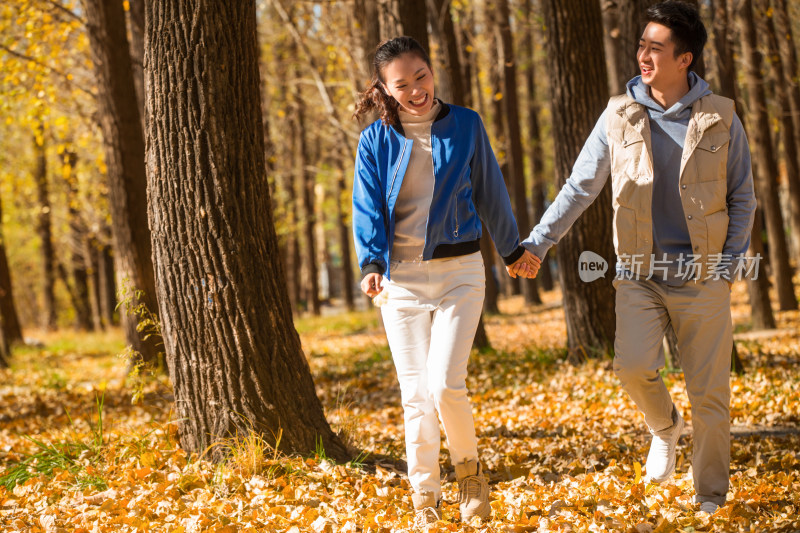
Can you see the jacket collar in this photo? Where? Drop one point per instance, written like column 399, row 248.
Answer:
column 443, row 112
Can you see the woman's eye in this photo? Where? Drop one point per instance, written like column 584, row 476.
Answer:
column 421, row 77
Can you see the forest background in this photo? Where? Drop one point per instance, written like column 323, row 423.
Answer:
column 131, row 227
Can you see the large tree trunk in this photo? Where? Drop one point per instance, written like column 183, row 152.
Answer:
column 545, row 276
column 124, row 151
column 578, row 95
column 444, row 29
column 511, row 109
column 9, row 320
column 758, row 289
column 414, row 20
column 234, row 355
column 767, row 167
column 790, row 143
column 80, row 275
column 368, row 33
column 624, row 21
column 44, row 229
column 791, row 79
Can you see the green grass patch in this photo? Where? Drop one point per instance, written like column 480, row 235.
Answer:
column 341, row 324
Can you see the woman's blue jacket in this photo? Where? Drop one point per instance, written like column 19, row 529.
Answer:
column 468, row 187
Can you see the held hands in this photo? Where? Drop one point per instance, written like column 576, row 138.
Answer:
column 371, row 284
column 526, row 266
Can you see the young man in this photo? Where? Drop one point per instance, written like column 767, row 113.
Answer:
column 683, row 210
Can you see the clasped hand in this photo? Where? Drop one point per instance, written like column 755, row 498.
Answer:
column 526, row 266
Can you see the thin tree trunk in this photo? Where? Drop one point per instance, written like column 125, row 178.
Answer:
column 519, row 195
column 136, row 24
column 80, row 276
column 508, row 286
column 576, row 64
column 95, row 299
column 342, row 197
column 766, row 182
column 545, row 276
column 481, row 340
column 492, row 290
column 235, row 358
column 758, row 289
column 9, row 320
column 108, row 286
column 306, row 179
column 124, row 151
column 44, row 229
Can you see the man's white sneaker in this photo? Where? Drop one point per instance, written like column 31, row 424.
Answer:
column 661, row 458
column 708, row 507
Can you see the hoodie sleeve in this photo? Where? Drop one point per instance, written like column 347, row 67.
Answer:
column 491, row 200
column 369, row 227
column 588, row 177
column 741, row 198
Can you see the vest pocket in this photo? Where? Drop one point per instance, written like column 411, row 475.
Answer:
column 711, row 156
column 625, row 230
column 717, row 227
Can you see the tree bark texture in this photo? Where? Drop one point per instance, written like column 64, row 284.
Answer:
column 121, row 124
column 345, row 234
column 235, row 358
column 577, row 72
column 761, row 313
column 414, row 20
column 45, row 231
column 767, row 166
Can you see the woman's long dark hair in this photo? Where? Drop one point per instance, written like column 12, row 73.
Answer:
column 374, row 97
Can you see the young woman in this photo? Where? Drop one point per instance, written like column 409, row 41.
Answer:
column 424, row 174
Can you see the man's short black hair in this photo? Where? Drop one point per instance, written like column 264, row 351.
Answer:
column 688, row 32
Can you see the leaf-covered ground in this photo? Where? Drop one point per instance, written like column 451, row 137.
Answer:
column 562, row 444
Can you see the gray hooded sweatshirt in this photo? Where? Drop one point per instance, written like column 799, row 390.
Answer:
column 670, row 233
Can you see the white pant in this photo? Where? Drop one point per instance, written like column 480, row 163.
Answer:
column 430, row 317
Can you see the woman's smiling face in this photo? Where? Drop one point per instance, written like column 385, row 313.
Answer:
column 409, row 80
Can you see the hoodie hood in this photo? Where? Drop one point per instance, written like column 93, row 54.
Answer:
column 640, row 92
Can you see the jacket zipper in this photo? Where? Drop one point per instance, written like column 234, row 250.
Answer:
column 397, row 168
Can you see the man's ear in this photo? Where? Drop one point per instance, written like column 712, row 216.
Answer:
column 686, row 60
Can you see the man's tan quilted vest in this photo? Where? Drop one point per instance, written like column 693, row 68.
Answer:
column 702, row 182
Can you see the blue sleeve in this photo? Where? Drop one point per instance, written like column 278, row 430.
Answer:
column 369, row 225
column 490, row 196
column 589, row 175
column 741, row 197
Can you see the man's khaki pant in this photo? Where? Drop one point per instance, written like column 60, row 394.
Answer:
column 700, row 313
